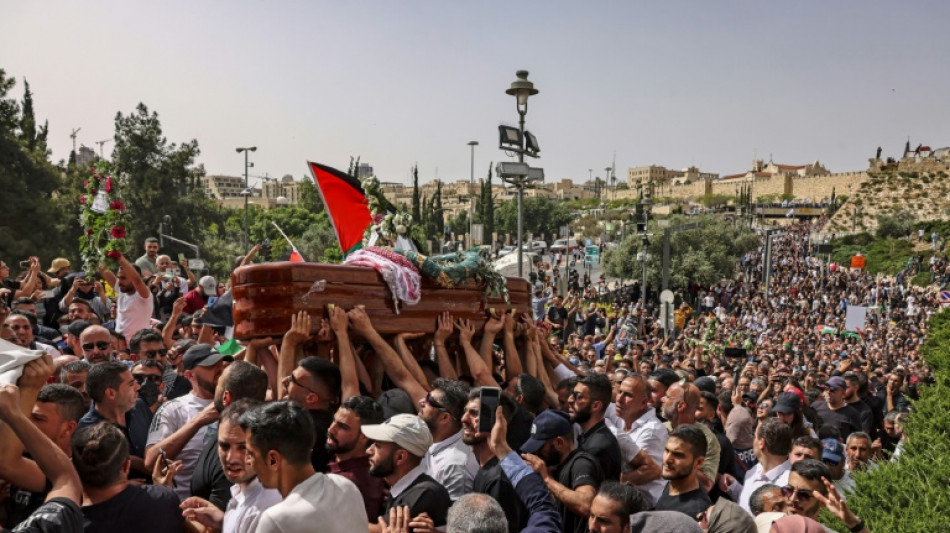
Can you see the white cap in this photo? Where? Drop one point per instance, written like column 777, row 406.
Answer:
column 406, row 431
column 209, row 285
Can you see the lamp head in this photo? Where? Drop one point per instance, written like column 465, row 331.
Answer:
column 521, row 88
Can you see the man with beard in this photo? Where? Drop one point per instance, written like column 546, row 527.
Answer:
column 134, row 304
column 396, row 455
column 809, row 489
column 491, row 479
column 280, row 439
column 679, row 408
column 239, row 381
column 148, row 262
column 75, row 374
column 551, row 445
column 96, row 344
column 834, row 411
column 21, row 322
column 449, row 461
column 587, row 405
column 249, row 498
column 660, row 380
column 641, row 433
column 178, row 428
column 684, row 455
column 347, row 444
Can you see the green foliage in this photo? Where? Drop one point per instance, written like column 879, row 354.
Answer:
column 310, row 197
column 161, row 179
column 703, row 255
column 540, row 216
column 30, row 221
column 910, row 494
column 895, row 225
column 888, row 256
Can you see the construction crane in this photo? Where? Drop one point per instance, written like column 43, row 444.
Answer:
column 73, row 137
column 100, row 143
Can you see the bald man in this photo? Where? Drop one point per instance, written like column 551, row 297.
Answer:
column 96, row 344
column 679, row 408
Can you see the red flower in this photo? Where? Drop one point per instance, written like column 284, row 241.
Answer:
column 89, row 232
column 85, row 183
column 118, row 232
column 109, row 184
column 114, row 254
column 117, row 206
column 82, row 198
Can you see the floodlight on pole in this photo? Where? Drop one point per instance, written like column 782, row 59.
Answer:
column 471, row 195
column 521, row 89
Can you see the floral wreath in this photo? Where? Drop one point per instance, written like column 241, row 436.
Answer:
column 387, row 225
column 103, row 218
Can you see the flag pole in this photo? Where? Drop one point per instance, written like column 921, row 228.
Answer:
column 294, row 248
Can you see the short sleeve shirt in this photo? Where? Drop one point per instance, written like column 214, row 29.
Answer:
column 601, row 443
column 169, row 418
column 689, row 503
column 133, row 313
column 580, row 469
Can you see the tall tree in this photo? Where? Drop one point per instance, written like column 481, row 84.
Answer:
column 540, row 216
column 416, row 204
column 160, row 178
column 28, row 181
column 310, row 196
column 438, row 217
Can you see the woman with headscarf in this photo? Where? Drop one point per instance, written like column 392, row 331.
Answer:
column 727, row 517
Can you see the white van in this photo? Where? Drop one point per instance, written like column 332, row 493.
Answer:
column 564, row 246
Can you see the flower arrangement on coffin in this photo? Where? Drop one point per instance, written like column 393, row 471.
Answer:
column 103, row 218
column 387, row 226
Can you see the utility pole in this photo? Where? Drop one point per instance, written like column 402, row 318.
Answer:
column 644, row 254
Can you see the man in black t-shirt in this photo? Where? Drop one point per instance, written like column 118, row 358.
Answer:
column 834, row 411
column 684, row 455
column 587, row 407
column 578, row 475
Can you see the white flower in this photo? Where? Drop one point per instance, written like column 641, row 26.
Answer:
column 401, row 229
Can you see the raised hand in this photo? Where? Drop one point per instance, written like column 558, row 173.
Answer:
column 36, row 372
column 360, row 321
column 339, row 321
column 466, row 330
column 444, row 329
column 299, row 331
column 324, row 334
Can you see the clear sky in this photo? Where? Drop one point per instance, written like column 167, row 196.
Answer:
column 672, row 83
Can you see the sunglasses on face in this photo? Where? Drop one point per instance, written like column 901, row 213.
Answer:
column 101, row 345
column 829, row 462
column 152, row 354
column 141, row 378
column 429, row 400
column 804, row 496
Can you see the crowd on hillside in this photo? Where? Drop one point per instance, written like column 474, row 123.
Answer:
column 127, row 407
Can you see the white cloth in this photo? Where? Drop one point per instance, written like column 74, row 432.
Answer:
column 133, row 313
column 12, row 360
column 452, row 463
column 645, row 433
column 169, row 418
column 755, row 478
column 245, row 507
column 327, row 503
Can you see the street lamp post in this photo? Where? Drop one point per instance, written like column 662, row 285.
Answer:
column 247, row 193
column 471, row 199
column 521, row 89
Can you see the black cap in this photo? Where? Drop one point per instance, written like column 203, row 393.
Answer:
column 202, row 355
column 788, row 403
column 705, row 383
column 76, row 327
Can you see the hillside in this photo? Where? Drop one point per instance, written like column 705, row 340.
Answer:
column 923, row 191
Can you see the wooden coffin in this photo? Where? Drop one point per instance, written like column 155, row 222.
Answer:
column 266, row 295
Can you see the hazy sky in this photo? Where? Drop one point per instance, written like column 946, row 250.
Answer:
column 397, row 82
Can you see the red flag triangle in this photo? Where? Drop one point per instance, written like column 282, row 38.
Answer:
column 346, row 204
column 295, row 257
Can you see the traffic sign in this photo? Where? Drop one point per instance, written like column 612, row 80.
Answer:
column 196, row 264
column 666, row 296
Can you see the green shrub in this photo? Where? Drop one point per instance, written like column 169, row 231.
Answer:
column 910, row 495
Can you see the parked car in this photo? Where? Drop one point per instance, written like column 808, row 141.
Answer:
column 564, row 245
column 506, row 250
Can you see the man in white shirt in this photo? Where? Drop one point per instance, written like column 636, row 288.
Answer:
column 280, row 437
column 449, row 461
column 135, row 304
column 772, row 443
column 179, row 426
column 249, row 498
column 642, row 437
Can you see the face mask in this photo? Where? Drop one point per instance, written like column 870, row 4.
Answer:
column 149, row 392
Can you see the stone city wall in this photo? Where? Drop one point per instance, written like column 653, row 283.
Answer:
column 813, row 188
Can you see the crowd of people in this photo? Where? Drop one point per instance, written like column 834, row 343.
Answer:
column 136, row 412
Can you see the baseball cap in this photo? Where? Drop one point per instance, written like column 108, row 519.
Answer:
column 58, row 264
column 788, row 403
column 406, row 431
column 209, row 285
column 202, row 355
column 76, row 327
column 836, row 382
column 547, row 425
column 705, row 383
column 832, row 450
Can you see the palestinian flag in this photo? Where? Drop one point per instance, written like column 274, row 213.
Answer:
column 346, row 204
